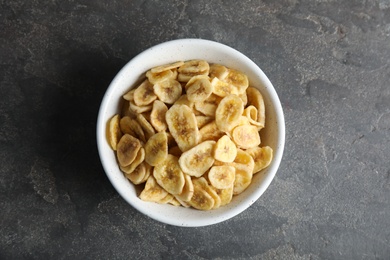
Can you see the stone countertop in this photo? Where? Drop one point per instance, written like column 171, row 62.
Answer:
column 329, row 62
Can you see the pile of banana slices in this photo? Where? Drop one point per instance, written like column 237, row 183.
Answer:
column 189, row 133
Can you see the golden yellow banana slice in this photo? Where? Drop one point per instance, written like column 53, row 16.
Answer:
column 198, row 88
column 203, row 120
column 114, row 131
column 146, row 126
column 225, row 150
column 182, row 125
column 144, row 94
column 152, row 191
column 256, row 99
column 222, row 88
column 244, row 98
column 157, row 116
column 168, row 91
column 218, row 71
column 155, row 78
column 209, row 105
column 192, row 68
column 250, row 112
column 169, row 175
column 188, row 189
column 183, row 100
column 244, row 165
column 228, row 112
column 225, row 195
column 201, row 199
column 262, row 157
column 156, row 149
column 202, row 182
column 137, row 161
column 138, row 109
column 165, row 67
column 129, row 96
column 246, row 136
column 138, row 175
column 222, row 177
column 127, row 149
column 148, row 171
column 210, row 132
column 132, row 127
column 238, row 80
column 198, row 160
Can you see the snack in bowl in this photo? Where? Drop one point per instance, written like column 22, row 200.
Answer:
column 211, row 162
column 119, row 97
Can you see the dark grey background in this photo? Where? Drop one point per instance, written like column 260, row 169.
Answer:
column 329, row 62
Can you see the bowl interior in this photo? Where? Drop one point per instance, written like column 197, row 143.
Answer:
column 272, row 135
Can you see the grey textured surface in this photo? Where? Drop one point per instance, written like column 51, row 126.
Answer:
column 329, row 62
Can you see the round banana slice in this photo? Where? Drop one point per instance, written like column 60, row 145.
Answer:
column 188, row 189
column 250, row 112
column 192, row 68
column 225, row 150
column 209, row 105
column 198, row 160
column 138, row 175
column 228, row 112
column 169, row 175
column 152, row 191
column 203, row 120
column 168, row 91
column 256, row 99
column 237, row 79
column 222, row 88
column 157, row 116
column 156, row 149
column 198, row 88
column 202, row 182
column 129, row 96
column 183, row 100
column 210, row 132
column 246, row 136
column 127, row 149
column 182, row 125
column 146, row 126
column 243, row 178
column 222, row 177
column 137, row 161
column 201, row 199
column 138, row 109
column 218, row 71
column 144, row 94
column 148, row 171
column 132, row 127
column 244, row 158
column 262, row 157
column 165, row 67
column 114, row 131
column 155, row 78
column 226, row 195
column 166, row 199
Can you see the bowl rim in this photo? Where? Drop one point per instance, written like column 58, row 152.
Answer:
column 101, row 132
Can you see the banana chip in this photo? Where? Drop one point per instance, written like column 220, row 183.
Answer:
column 155, row 78
column 152, row 191
column 165, row 67
column 127, row 149
column 156, row 149
column 144, row 94
column 199, row 88
column 168, row 91
column 114, row 132
column 225, row 150
column 222, row 177
column 256, row 99
column 169, row 175
column 246, row 136
column 262, row 157
column 228, row 112
column 192, row 68
column 157, row 116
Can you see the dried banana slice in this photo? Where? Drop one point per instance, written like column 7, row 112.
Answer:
column 250, row 112
column 201, row 199
column 228, row 112
column 244, row 98
column 114, row 132
column 132, row 127
column 157, row 116
column 137, row 161
column 165, row 67
column 127, row 149
column 129, row 96
column 210, row 132
column 218, row 71
column 152, row 191
column 225, row 150
column 202, row 182
column 183, row 127
column 222, row 177
column 169, row 175
column 237, row 79
column 183, row 100
column 225, row 195
column 174, row 202
column 156, row 149
column 188, row 189
column 244, row 165
column 198, row 88
column 146, row 126
column 138, row 109
column 222, row 88
column 138, row 175
column 144, row 94
column 192, row 68
column 155, row 78
column 198, row 160
column 209, row 105
column 203, row 120
column 168, row 91
column 262, row 157
column 256, row 99
column 148, row 171
column 246, row 136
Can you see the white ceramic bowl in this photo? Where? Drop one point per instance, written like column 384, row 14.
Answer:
column 272, row 135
